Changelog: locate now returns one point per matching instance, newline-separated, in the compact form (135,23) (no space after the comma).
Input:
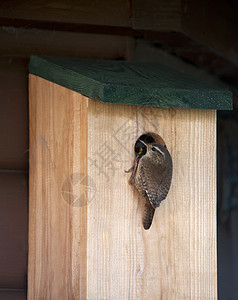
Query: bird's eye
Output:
(138,150)
(153,149)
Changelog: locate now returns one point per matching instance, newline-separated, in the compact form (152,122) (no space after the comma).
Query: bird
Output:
(151,173)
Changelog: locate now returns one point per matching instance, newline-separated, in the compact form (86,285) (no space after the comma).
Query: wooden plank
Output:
(23,42)
(157,15)
(136,83)
(106,12)
(214,24)
(207,23)
(100,250)
(176,258)
(57,220)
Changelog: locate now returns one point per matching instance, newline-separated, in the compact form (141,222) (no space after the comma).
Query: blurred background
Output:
(196,37)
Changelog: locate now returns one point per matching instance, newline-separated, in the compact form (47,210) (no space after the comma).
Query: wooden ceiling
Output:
(203,33)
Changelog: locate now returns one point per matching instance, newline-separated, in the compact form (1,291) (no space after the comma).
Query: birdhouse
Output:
(86,237)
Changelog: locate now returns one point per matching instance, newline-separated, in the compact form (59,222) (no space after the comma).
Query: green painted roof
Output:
(136,83)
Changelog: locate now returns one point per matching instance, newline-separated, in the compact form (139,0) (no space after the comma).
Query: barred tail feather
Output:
(148,215)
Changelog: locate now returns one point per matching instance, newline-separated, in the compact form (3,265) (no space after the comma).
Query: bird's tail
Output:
(148,215)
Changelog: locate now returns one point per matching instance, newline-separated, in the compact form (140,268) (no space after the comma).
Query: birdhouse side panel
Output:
(58,197)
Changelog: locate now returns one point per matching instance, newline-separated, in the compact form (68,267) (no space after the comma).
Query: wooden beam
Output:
(191,52)
(23,42)
(214,24)
(157,15)
(209,25)
(106,12)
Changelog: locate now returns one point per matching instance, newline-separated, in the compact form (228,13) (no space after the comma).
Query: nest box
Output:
(86,239)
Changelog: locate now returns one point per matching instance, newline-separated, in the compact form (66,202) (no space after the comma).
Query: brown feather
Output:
(148,215)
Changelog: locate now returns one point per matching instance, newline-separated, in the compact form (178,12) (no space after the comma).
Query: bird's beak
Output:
(134,169)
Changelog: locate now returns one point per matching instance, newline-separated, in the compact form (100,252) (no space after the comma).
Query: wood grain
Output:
(57,212)
(100,250)
(106,12)
(176,258)
(47,42)
(214,24)
(157,15)
(137,83)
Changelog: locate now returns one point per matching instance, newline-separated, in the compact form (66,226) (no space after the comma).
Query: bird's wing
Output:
(155,183)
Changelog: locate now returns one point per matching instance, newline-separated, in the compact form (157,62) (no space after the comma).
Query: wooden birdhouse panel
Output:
(86,239)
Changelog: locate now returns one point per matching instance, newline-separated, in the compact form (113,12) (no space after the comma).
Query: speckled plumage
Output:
(152,174)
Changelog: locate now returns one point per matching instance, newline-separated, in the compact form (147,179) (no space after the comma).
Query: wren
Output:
(151,172)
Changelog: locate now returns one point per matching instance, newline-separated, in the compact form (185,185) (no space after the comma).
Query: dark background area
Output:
(195,37)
